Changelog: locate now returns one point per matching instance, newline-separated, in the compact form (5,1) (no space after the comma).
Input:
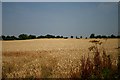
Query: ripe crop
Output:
(59,58)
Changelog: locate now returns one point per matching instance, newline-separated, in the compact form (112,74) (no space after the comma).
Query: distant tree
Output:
(8,38)
(41,36)
(109,36)
(13,38)
(52,36)
(0,37)
(31,36)
(3,37)
(65,37)
(98,36)
(113,36)
(104,36)
(92,36)
(23,36)
(61,36)
(71,37)
(77,37)
(49,36)
(80,36)
(58,37)
(118,36)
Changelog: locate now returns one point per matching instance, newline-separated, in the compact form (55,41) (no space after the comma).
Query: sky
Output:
(59,0)
(60,18)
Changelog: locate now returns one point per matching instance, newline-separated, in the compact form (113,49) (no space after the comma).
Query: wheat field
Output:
(49,58)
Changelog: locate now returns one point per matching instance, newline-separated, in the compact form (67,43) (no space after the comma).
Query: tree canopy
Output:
(25,36)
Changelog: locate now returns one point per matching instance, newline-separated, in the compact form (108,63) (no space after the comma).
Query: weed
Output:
(100,68)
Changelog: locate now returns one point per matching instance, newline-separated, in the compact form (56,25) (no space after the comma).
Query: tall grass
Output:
(98,67)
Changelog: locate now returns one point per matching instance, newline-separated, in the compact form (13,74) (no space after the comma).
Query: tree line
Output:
(25,36)
(104,36)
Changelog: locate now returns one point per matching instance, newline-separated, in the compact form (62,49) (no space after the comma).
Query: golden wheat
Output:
(49,58)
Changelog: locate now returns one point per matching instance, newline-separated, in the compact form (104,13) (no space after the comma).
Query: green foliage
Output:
(71,36)
(65,37)
(92,35)
(103,36)
(113,36)
(50,36)
(23,36)
(105,73)
(31,37)
(9,37)
(77,37)
(80,36)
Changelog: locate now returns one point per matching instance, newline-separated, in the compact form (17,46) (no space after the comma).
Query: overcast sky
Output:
(59,0)
(65,18)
